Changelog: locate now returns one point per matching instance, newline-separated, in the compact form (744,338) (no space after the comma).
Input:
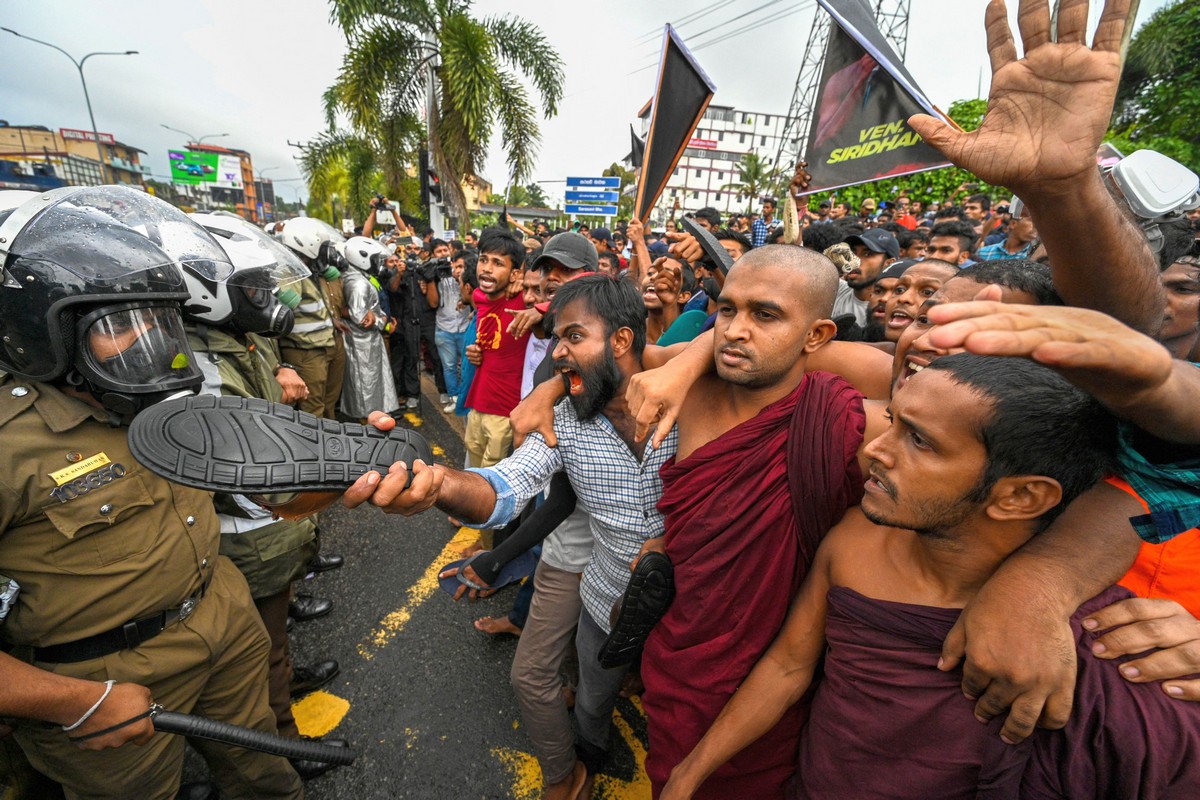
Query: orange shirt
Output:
(1170,570)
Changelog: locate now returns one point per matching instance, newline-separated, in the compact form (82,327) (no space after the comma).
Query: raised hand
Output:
(1047,112)
(1092,350)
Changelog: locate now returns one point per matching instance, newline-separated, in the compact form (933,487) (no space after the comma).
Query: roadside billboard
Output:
(194,168)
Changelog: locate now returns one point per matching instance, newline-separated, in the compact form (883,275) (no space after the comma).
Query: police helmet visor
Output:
(138,347)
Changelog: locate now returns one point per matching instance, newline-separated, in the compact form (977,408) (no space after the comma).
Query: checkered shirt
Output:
(619,492)
(1172,491)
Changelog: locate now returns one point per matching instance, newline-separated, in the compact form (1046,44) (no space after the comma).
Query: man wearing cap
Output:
(868,208)
(875,248)
(823,213)
(602,240)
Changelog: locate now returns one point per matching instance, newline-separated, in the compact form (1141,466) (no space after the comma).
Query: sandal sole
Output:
(250,446)
(650,592)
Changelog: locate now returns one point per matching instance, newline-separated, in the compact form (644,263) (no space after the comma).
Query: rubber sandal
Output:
(254,447)
(516,570)
(650,592)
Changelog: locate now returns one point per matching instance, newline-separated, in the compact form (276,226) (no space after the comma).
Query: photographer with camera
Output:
(384,212)
(452,318)
(414,300)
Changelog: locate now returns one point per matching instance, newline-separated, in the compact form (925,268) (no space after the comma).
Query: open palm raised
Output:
(1047,112)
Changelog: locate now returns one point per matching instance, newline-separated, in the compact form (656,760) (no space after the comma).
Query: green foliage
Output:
(757,177)
(628,178)
(1158,103)
(476,67)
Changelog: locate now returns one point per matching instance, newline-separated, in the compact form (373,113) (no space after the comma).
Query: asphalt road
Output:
(422,696)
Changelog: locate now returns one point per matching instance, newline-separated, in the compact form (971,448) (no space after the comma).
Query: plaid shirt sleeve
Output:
(758,233)
(518,478)
(1172,491)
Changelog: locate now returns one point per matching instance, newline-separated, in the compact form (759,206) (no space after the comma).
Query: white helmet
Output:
(251,300)
(365,255)
(305,235)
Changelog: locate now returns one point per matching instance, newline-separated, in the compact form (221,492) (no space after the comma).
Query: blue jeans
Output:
(451,347)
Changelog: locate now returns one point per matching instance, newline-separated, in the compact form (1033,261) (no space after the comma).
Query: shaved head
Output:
(806,274)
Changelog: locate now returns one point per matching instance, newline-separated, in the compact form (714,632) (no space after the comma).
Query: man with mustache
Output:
(600,325)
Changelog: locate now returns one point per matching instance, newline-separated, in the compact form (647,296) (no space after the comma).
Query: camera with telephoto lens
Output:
(434,270)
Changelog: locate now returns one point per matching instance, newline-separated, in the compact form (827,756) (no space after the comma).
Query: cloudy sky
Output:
(256,70)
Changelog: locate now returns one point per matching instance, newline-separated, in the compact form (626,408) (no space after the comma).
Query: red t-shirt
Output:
(496,388)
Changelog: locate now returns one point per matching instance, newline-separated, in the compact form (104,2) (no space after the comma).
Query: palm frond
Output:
(468,74)
(518,126)
(384,66)
(522,45)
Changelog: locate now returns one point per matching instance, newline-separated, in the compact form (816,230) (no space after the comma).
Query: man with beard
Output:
(600,326)
(876,249)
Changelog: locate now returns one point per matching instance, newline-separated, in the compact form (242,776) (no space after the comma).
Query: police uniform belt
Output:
(123,637)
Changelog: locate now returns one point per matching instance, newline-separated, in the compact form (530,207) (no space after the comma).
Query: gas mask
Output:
(329,262)
(257,308)
(132,355)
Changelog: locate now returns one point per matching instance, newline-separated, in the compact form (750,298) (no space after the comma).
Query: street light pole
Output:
(87,98)
(192,139)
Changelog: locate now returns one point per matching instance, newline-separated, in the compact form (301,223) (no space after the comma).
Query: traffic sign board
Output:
(594,183)
(593,197)
(595,211)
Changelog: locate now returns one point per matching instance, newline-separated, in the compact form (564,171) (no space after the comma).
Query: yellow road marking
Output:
(610,788)
(413,419)
(417,594)
(437,449)
(526,773)
(319,713)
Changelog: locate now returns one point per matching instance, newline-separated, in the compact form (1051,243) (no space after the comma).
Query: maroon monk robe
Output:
(744,516)
(886,723)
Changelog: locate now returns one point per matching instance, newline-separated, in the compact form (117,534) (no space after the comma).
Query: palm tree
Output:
(756,177)
(409,59)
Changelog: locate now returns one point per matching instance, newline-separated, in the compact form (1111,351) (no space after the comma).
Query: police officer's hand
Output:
(389,491)
(293,386)
(124,702)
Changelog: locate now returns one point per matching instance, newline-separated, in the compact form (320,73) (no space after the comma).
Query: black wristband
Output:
(282,365)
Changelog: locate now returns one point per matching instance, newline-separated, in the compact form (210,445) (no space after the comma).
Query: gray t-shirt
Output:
(450,317)
(847,303)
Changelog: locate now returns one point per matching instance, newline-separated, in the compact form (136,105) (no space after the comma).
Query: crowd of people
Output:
(892,457)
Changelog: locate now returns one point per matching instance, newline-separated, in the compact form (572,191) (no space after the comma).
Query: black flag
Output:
(859,131)
(682,94)
(637,149)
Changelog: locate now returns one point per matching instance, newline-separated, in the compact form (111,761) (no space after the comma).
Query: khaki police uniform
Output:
(270,553)
(335,298)
(96,541)
(311,347)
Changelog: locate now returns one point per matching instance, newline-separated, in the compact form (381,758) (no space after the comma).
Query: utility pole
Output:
(436,219)
(105,175)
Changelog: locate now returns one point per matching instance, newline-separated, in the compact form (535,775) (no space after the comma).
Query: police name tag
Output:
(68,474)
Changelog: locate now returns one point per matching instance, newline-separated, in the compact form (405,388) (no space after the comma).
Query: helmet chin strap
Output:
(121,407)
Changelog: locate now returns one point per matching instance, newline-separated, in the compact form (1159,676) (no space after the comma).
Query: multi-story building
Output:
(70,155)
(708,168)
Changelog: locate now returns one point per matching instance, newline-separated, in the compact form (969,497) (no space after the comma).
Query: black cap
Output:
(572,250)
(877,240)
